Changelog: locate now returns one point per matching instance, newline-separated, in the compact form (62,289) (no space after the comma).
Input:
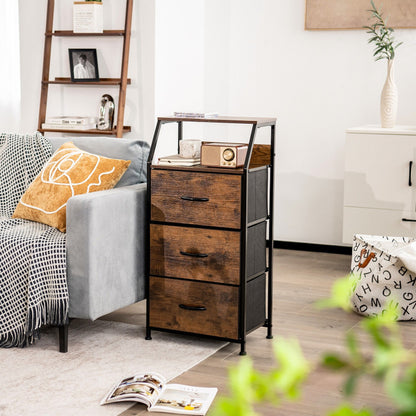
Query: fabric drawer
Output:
(207,199)
(196,307)
(194,253)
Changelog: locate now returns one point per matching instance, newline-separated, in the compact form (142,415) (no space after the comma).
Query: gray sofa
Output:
(106,235)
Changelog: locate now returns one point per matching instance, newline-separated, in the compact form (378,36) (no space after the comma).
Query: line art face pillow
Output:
(70,171)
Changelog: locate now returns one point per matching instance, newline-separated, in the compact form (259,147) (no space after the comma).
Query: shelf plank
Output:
(259,121)
(102,81)
(71,33)
(112,132)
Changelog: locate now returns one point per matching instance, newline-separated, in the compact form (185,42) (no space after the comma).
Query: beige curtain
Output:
(9,66)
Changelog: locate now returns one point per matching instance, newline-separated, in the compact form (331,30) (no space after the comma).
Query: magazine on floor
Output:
(152,390)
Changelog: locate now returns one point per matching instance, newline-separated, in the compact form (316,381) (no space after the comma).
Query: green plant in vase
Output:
(381,36)
(385,48)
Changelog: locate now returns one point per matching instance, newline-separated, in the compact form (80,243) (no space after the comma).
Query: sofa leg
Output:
(63,338)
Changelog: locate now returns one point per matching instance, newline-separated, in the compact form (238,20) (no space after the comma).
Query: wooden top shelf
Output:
(102,81)
(126,129)
(71,33)
(259,121)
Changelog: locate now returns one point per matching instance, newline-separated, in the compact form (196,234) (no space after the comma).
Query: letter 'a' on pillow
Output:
(70,171)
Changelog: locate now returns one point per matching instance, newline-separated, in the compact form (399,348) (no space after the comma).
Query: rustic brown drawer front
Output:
(193,253)
(196,307)
(196,198)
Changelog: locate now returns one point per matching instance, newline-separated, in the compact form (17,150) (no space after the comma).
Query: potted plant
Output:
(385,48)
(88,16)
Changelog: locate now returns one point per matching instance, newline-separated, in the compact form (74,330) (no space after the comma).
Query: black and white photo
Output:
(83,64)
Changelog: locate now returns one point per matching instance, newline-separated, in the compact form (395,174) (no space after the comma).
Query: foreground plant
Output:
(389,362)
(249,386)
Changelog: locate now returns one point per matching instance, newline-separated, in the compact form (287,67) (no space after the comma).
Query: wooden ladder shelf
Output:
(122,82)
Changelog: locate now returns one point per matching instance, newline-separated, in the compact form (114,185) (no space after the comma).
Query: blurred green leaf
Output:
(340,294)
(350,383)
(346,410)
(334,362)
(402,389)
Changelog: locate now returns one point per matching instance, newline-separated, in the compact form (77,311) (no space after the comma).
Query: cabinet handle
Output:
(185,253)
(410,172)
(193,198)
(192,307)
(408,220)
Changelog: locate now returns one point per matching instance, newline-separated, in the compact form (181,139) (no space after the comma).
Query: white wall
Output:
(259,61)
(252,58)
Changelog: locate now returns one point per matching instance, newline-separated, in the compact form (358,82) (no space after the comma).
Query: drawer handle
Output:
(410,172)
(408,220)
(192,307)
(194,198)
(185,253)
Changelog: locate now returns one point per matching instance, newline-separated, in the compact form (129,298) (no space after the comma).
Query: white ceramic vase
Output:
(389,98)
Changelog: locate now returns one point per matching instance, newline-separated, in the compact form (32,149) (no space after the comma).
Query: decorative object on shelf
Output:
(225,155)
(190,148)
(88,16)
(83,65)
(385,48)
(106,114)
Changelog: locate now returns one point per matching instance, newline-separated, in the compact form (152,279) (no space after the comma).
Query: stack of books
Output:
(178,160)
(70,123)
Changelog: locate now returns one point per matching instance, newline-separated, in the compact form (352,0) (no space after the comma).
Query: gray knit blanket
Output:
(33,287)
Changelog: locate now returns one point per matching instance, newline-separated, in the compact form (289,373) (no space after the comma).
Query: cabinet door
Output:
(377,222)
(377,171)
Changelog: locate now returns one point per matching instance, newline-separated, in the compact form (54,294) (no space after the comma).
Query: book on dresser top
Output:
(178,160)
(152,390)
(194,114)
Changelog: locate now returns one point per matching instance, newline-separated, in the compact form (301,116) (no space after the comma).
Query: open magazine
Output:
(153,390)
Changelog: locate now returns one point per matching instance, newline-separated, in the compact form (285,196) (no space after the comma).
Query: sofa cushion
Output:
(118,148)
(70,171)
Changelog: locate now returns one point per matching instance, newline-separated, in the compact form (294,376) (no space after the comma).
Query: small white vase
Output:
(389,98)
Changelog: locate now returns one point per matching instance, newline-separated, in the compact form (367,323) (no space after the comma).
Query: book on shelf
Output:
(152,390)
(178,160)
(194,114)
(65,120)
(52,126)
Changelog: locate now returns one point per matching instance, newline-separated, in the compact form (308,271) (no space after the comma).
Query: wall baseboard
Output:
(320,248)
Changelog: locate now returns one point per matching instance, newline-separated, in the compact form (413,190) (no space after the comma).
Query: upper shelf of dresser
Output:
(259,121)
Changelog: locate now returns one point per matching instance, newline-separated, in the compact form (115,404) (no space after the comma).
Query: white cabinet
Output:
(380,182)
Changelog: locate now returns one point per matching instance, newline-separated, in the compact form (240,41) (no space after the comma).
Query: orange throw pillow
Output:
(70,171)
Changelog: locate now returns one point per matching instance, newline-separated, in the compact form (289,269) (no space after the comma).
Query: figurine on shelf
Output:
(106,114)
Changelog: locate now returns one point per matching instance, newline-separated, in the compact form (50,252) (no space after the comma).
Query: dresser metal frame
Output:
(256,123)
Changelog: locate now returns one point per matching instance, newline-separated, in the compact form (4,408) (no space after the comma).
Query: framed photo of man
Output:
(83,64)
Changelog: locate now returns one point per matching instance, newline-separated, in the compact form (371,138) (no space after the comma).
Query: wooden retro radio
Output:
(224,155)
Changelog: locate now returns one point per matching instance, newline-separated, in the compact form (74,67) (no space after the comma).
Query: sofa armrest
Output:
(106,250)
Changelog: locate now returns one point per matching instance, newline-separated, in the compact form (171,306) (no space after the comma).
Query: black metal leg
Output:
(243,348)
(269,331)
(148,334)
(63,338)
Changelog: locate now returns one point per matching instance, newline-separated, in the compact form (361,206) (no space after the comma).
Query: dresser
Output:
(210,241)
(380,182)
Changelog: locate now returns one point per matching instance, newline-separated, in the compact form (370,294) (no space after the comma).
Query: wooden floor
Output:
(300,279)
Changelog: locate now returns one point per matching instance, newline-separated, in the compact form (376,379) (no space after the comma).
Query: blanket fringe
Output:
(48,312)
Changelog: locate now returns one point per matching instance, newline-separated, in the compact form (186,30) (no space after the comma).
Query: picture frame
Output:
(83,64)
(353,14)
